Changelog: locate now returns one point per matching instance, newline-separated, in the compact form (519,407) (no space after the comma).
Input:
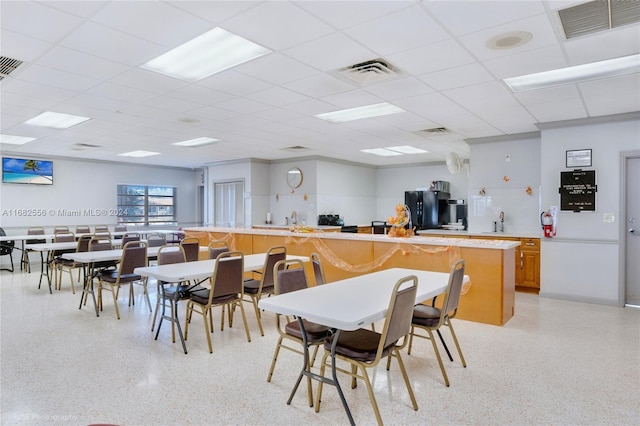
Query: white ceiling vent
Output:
(7,66)
(84,146)
(368,72)
(433,132)
(598,15)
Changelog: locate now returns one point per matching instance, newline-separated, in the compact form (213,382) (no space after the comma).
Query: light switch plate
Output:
(609,218)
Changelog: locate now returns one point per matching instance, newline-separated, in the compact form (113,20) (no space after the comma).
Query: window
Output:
(140,205)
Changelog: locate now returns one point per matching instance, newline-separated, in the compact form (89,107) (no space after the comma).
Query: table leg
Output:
(306,370)
(174,315)
(88,272)
(44,265)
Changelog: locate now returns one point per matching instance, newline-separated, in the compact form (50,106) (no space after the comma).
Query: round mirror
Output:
(294,177)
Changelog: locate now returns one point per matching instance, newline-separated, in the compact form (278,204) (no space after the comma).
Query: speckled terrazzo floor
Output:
(555,362)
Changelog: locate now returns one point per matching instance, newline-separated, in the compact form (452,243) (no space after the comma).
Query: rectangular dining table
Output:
(349,304)
(199,270)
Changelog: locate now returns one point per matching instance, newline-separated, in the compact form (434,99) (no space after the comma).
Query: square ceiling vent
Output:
(369,72)
(599,15)
(7,66)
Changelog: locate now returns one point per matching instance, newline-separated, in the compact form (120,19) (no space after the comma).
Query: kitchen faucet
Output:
(294,217)
(501,224)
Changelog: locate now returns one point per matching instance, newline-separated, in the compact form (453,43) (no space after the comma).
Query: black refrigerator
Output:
(429,209)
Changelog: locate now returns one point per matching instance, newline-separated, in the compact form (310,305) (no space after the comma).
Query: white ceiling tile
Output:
(323,55)
(37,20)
(352,99)
(166,25)
(318,86)
(212,113)
(83,9)
(560,110)
(234,82)
(276,68)
(21,47)
(242,105)
(214,11)
(481,97)
(550,95)
(56,78)
(468,16)
(199,94)
(538,26)
(434,57)
(169,103)
(85,100)
(120,92)
(148,81)
(612,96)
(38,91)
(345,14)
(398,89)
(263,24)
(452,78)
(545,59)
(310,107)
(107,43)
(410,28)
(81,63)
(277,96)
(611,44)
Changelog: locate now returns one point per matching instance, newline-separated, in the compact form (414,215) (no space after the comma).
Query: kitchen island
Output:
(490,264)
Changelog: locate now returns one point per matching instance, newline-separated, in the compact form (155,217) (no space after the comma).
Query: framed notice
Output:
(578,158)
(578,190)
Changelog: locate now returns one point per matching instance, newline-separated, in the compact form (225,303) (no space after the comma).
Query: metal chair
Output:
(365,348)
(134,255)
(156,240)
(70,265)
(6,249)
(216,248)
(226,291)
(130,236)
(289,275)
(256,288)
(318,270)
(34,230)
(191,248)
(55,258)
(430,318)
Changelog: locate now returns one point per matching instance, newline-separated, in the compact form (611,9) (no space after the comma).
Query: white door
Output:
(632,234)
(229,204)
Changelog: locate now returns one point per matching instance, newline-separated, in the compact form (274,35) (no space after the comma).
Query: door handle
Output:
(632,231)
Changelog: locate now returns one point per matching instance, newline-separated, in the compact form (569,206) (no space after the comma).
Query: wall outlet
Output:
(609,218)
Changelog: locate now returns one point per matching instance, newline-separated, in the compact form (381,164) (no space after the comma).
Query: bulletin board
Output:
(578,190)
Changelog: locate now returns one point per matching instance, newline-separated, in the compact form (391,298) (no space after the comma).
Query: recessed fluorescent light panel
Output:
(394,150)
(205,55)
(139,153)
(368,111)
(196,142)
(15,140)
(56,120)
(577,74)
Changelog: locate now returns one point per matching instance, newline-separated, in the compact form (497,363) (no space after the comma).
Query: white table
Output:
(350,304)
(89,258)
(44,262)
(202,269)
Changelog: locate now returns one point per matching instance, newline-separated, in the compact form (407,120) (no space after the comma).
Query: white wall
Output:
(283,200)
(82,184)
(505,170)
(582,261)
(229,172)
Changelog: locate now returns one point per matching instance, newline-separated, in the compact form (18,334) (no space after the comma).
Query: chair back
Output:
(274,255)
(318,272)
(156,240)
(134,255)
(191,248)
(83,243)
(36,230)
(99,228)
(216,248)
(6,247)
(133,236)
(83,229)
(289,276)
(398,321)
(57,229)
(228,276)
(103,234)
(170,253)
(454,289)
(63,237)
(99,244)
(120,227)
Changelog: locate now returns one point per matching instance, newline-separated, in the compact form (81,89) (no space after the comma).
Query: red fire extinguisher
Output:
(546,218)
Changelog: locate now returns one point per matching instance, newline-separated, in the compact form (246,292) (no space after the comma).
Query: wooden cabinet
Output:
(528,266)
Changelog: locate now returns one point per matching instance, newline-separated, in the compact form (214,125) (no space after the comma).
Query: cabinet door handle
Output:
(521,260)
(530,244)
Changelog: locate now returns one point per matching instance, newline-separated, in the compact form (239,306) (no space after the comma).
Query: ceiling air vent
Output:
(599,15)
(7,66)
(84,146)
(434,131)
(371,71)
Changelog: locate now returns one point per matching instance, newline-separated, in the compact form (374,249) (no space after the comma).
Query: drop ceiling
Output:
(84,58)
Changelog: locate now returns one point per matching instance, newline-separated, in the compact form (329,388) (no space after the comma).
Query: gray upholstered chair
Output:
(6,249)
(431,318)
(364,348)
(226,291)
(34,230)
(318,270)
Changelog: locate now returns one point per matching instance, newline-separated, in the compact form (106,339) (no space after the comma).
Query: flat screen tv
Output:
(21,170)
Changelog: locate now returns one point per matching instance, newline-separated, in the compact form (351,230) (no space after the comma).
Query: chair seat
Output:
(184,291)
(361,345)
(112,277)
(427,316)
(202,297)
(314,331)
(252,286)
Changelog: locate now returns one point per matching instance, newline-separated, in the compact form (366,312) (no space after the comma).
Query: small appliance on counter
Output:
(429,209)
(457,214)
(329,220)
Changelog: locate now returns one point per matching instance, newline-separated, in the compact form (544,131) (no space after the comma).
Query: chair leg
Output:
(410,340)
(446,348)
(155,312)
(115,301)
(435,349)
(406,378)
(455,340)
(372,397)
(254,299)
(187,318)
(206,328)
(244,319)
(275,358)
(323,365)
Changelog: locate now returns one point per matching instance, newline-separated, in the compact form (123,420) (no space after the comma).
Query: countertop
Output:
(471,234)
(418,240)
